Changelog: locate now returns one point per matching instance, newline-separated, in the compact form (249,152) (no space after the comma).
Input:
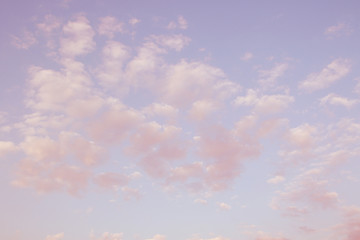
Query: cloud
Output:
(333,72)
(55,237)
(181,24)
(78,38)
(202,108)
(114,125)
(269,77)
(264,236)
(24,42)
(200,201)
(107,236)
(187,82)
(306,191)
(336,100)
(266,104)
(157,237)
(224,206)
(111,180)
(111,72)
(157,145)
(7,147)
(49,24)
(338,30)
(69,91)
(247,56)
(211,238)
(161,110)
(176,42)
(275,180)
(108,26)
(227,150)
(134,21)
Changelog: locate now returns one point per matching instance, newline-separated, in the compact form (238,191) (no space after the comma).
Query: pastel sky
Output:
(180,120)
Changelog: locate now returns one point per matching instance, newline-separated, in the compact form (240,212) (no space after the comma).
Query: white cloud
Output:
(333,72)
(78,38)
(336,100)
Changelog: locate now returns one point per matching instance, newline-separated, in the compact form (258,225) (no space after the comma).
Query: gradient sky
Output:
(180,120)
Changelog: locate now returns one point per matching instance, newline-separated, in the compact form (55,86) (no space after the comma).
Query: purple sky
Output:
(180,120)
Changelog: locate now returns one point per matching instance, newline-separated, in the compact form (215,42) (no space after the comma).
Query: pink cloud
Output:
(55,237)
(157,145)
(225,150)
(7,147)
(264,236)
(111,180)
(49,176)
(114,125)
(157,237)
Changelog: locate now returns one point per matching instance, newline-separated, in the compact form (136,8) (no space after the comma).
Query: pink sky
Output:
(180,120)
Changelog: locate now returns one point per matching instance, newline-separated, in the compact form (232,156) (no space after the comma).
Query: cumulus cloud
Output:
(78,38)
(333,72)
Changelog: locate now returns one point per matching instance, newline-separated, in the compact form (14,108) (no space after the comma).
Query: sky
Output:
(180,120)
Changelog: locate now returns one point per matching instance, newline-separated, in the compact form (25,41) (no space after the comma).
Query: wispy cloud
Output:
(333,72)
